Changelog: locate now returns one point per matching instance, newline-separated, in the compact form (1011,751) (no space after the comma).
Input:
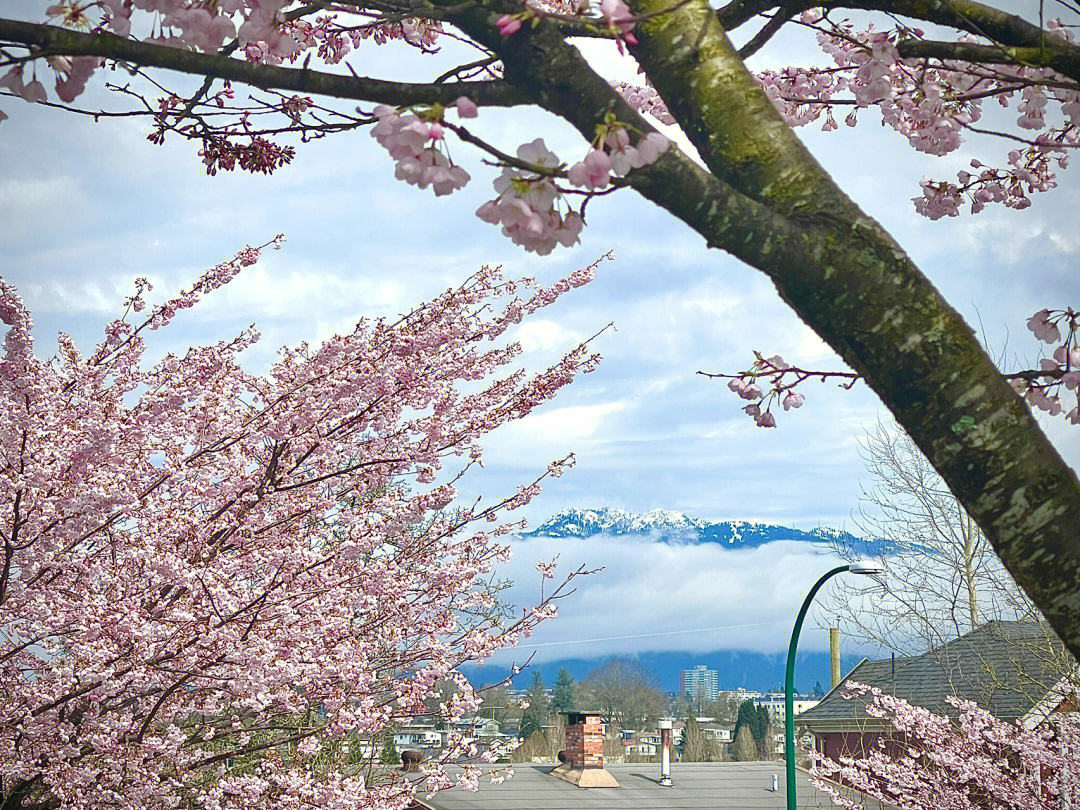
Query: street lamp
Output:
(865,567)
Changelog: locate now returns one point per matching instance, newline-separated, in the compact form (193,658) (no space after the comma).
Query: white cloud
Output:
(551,432)
(28,203)
(649,592)
(546,336)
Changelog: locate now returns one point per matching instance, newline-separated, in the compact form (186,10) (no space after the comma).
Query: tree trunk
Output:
(768,202)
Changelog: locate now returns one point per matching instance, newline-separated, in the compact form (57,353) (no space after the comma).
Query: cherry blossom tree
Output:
(753,189)
(972,760)
(217,587)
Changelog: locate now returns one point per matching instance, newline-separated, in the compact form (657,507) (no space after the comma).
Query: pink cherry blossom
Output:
(971,761)
(465,107)
(618,17)
(593,172)
(527,205)
(508,25)
(220,578)
(1043,328)
(644,100)
(412,144)
(793,399)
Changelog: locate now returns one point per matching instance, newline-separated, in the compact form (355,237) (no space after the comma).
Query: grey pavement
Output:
(697,786)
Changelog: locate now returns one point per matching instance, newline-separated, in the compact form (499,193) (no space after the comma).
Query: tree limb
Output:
(1065,60)
(1007,31)
(782,16)
(51,40)
(862,294)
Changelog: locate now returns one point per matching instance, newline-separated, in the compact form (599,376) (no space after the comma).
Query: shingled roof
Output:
(1007,668)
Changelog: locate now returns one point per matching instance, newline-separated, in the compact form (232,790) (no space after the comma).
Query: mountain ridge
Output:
(673,526)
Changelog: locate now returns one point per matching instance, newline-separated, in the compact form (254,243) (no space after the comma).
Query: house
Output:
(716,732)
(480,727)
(419,734)
(1010,668)
(774,702)
(644,743)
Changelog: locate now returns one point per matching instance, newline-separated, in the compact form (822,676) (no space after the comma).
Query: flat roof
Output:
(697,786)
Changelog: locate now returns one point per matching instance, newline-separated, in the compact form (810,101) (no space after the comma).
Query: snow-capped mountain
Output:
(588,522)
(671,526)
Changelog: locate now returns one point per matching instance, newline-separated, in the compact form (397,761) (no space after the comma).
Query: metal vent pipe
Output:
(665,752)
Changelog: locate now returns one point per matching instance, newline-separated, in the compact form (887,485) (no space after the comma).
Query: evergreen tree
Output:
(747,716)
(761,728)
(818,690)
(533,718)
(562,695)
(389,754)
(757,721)
(761,724)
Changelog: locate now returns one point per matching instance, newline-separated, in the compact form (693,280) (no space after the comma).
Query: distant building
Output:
(738,695)
(717,732)
(774,702)
(700,683)
(419,734)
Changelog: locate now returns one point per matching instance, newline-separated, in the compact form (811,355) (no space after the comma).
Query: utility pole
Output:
(834,657)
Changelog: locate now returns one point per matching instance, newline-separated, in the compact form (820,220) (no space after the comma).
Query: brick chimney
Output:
(583,758)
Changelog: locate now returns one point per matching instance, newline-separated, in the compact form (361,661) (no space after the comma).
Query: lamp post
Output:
(867,568)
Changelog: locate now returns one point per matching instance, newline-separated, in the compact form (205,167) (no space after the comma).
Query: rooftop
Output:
(697,786)
(1006,667)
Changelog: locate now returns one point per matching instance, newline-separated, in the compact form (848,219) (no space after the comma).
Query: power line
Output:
(647,635)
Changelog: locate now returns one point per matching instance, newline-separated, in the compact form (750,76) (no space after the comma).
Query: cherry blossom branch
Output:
(48,40)
(1042,387)
(782,16)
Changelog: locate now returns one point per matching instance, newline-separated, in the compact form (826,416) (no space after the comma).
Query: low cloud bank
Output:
(653,596)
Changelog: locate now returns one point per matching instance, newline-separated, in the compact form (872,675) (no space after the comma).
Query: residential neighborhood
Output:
(1012,669)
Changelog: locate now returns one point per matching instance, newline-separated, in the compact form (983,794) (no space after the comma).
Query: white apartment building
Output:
(700,683)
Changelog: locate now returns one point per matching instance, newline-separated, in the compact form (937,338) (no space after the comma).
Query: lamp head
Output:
(870,568)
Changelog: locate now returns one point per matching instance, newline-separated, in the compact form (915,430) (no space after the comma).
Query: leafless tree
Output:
(696,747)
(942,577)
(625,693)
(745,749)
(544,744)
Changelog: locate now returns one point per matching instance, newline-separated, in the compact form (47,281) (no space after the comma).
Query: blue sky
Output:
(86,207)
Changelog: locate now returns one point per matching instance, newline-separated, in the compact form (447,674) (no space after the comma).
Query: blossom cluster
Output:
(645,100)
(527,203)
(419,150)
(532,208)
(772,380)
(261,28)
(780,379)
(615,155)
(1061,371)
(933,103)
(616,16)
(971,762)
(223,578)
